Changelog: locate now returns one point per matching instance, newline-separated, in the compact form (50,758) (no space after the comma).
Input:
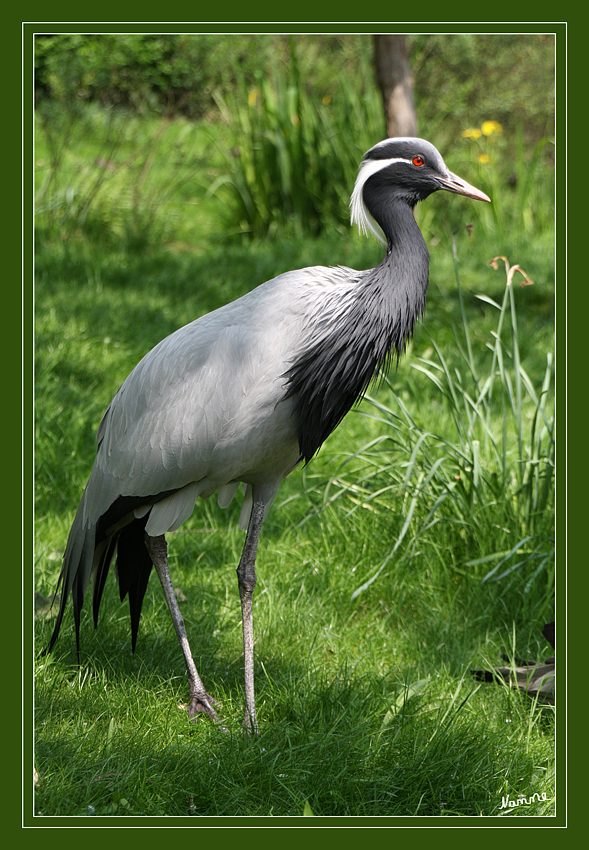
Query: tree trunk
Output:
(393,75)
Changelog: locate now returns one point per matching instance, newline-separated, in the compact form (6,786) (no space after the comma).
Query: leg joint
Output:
(156,546)
(246,584)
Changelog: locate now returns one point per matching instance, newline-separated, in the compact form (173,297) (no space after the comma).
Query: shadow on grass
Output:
(351,746)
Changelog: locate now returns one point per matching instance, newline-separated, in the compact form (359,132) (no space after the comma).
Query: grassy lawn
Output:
(438,505)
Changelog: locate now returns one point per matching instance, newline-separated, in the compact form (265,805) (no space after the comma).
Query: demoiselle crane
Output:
(245,394)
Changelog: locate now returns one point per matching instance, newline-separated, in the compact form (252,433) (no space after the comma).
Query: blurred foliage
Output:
(286,121)
(294,155)
(459,79)
(143,71)
(462,79)
(178,74)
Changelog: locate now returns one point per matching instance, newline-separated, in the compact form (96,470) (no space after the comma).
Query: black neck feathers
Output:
(374,319)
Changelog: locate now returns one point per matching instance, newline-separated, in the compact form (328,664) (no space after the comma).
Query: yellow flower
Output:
(484,158)
(252,98)
(473,133)
(490,128)
(325,99)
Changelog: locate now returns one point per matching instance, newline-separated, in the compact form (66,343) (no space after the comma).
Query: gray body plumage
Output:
(226,400)
(245,393)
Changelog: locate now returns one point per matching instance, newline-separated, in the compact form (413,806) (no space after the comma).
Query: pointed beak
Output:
(454,183)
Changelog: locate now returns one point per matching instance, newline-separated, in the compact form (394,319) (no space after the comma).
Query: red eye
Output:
(418,160)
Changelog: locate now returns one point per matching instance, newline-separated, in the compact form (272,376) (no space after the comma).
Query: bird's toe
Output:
(202,704)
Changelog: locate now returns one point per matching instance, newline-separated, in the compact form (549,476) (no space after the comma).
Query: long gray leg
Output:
(246,577)
(199,699)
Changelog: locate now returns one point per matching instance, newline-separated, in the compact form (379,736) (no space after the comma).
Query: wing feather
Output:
(202,411)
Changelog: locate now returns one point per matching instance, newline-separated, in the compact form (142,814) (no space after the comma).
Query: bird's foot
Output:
(202,703)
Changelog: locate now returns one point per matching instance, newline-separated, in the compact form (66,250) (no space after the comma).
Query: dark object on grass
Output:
(536,678)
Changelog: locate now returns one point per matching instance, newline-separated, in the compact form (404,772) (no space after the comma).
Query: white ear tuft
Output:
(358,213)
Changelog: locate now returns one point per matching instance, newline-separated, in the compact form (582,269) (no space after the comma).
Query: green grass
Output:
(365,700)
(331,671)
